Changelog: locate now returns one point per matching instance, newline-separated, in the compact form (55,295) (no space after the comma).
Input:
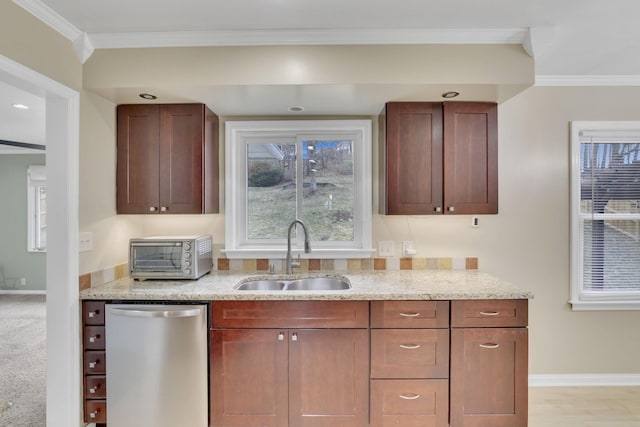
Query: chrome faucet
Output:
(307,247)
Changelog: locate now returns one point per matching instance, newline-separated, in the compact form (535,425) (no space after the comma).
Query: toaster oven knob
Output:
(187,246)
(187,263)
(187,271)
(187,255)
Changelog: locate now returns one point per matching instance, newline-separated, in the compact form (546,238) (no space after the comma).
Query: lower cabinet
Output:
(293,377)
(489,365)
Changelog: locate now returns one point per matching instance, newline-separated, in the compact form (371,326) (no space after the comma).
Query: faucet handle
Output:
(296,263)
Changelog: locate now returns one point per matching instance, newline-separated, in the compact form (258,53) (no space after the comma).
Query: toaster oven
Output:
(170,257)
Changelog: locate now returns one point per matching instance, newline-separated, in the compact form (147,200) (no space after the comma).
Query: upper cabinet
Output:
(439,158)
(167,159)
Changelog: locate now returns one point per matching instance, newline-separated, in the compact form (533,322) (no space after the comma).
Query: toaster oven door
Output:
(156,257)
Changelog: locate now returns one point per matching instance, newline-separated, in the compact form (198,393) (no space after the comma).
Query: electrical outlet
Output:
(386,248)
(407,248)
(85,243)
(23,281)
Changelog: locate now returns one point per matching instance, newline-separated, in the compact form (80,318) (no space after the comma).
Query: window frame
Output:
(235,188)
(581,299)
(36,179)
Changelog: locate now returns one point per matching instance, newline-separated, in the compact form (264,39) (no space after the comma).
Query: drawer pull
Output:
(489,313)
(94,414)
(410,346)
(93,364)
(489,345)
(93,339)
(94,390)
(410,396)
(294,337)
(409,314)
(93,314)
(281,336)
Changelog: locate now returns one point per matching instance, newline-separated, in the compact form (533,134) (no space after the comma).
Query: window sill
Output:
(282,253)
(602,305)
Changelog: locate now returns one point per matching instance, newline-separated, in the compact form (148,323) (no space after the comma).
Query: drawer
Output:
(93,312)
(94,338)
(489,313)
(95,387)
(410,314)
(94,362)
(290,314)
(409,403)
(410,353)
(95,411)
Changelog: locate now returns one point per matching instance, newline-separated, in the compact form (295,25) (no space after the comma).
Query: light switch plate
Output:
(386,248)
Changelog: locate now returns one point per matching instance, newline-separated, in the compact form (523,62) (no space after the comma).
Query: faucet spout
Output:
(307,246)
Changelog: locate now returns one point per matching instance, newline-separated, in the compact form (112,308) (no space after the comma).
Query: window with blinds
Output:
(605,215)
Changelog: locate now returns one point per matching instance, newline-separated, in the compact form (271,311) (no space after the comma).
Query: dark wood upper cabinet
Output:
(439,158)
(167,159)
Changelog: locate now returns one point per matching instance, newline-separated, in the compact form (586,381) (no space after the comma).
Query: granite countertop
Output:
(370,285)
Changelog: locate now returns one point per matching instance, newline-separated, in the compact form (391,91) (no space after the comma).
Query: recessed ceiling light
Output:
(296,109)
(20,106)
(148,96)
(450,94)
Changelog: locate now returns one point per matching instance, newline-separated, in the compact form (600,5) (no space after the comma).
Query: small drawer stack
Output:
(409,363)
(95,383)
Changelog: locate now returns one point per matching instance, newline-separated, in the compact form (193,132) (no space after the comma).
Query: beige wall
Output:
(28,41)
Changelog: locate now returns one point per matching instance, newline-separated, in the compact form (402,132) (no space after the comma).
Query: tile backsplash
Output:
(341,265)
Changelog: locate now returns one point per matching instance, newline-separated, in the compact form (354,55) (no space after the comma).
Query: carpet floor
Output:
(23,360)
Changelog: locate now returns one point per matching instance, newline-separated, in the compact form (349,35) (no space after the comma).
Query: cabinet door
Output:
(181,158)
(489,377)
(248,378)
(411,158)
(470,158)
(328,378)
(138,159)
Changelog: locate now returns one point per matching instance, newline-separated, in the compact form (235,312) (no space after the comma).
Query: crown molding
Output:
(305,37)
(587,80)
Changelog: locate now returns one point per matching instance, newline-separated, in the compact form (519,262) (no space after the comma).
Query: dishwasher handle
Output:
(161,313)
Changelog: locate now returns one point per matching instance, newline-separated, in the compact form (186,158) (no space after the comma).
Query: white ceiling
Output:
(595,38)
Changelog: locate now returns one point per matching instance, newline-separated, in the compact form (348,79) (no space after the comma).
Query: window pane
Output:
(611,251)
(609,175)
(328,198)
(271,190)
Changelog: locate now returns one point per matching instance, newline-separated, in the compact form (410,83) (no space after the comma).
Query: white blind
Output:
(609,210)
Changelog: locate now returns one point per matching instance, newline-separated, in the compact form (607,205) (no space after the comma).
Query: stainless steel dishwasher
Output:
(156,357)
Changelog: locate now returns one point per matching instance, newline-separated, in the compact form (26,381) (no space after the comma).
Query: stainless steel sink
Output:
(261,285)
(318,284)
(304,284)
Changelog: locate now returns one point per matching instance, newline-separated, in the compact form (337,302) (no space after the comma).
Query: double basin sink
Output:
(302,284)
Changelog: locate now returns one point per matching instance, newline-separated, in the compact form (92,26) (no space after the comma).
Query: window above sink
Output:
(318,171)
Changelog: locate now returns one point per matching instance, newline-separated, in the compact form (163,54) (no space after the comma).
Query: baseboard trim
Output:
(584,380)
(22,292)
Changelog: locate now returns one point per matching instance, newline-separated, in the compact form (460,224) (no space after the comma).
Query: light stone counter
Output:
(370,285)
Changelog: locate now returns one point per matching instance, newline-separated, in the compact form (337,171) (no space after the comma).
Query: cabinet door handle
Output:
(164,209)
(152,209)
(409,314)
(489,345)
(451,209)
(409,396)
(294,337)
(489,313)
(281,336)
(410,346)
(438,209)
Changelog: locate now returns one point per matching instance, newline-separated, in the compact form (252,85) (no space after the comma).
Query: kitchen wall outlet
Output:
(475,222)
(23,281)
(85,243)
(407,248)
(386,248)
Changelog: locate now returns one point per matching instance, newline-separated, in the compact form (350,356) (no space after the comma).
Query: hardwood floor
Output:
(584,407)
